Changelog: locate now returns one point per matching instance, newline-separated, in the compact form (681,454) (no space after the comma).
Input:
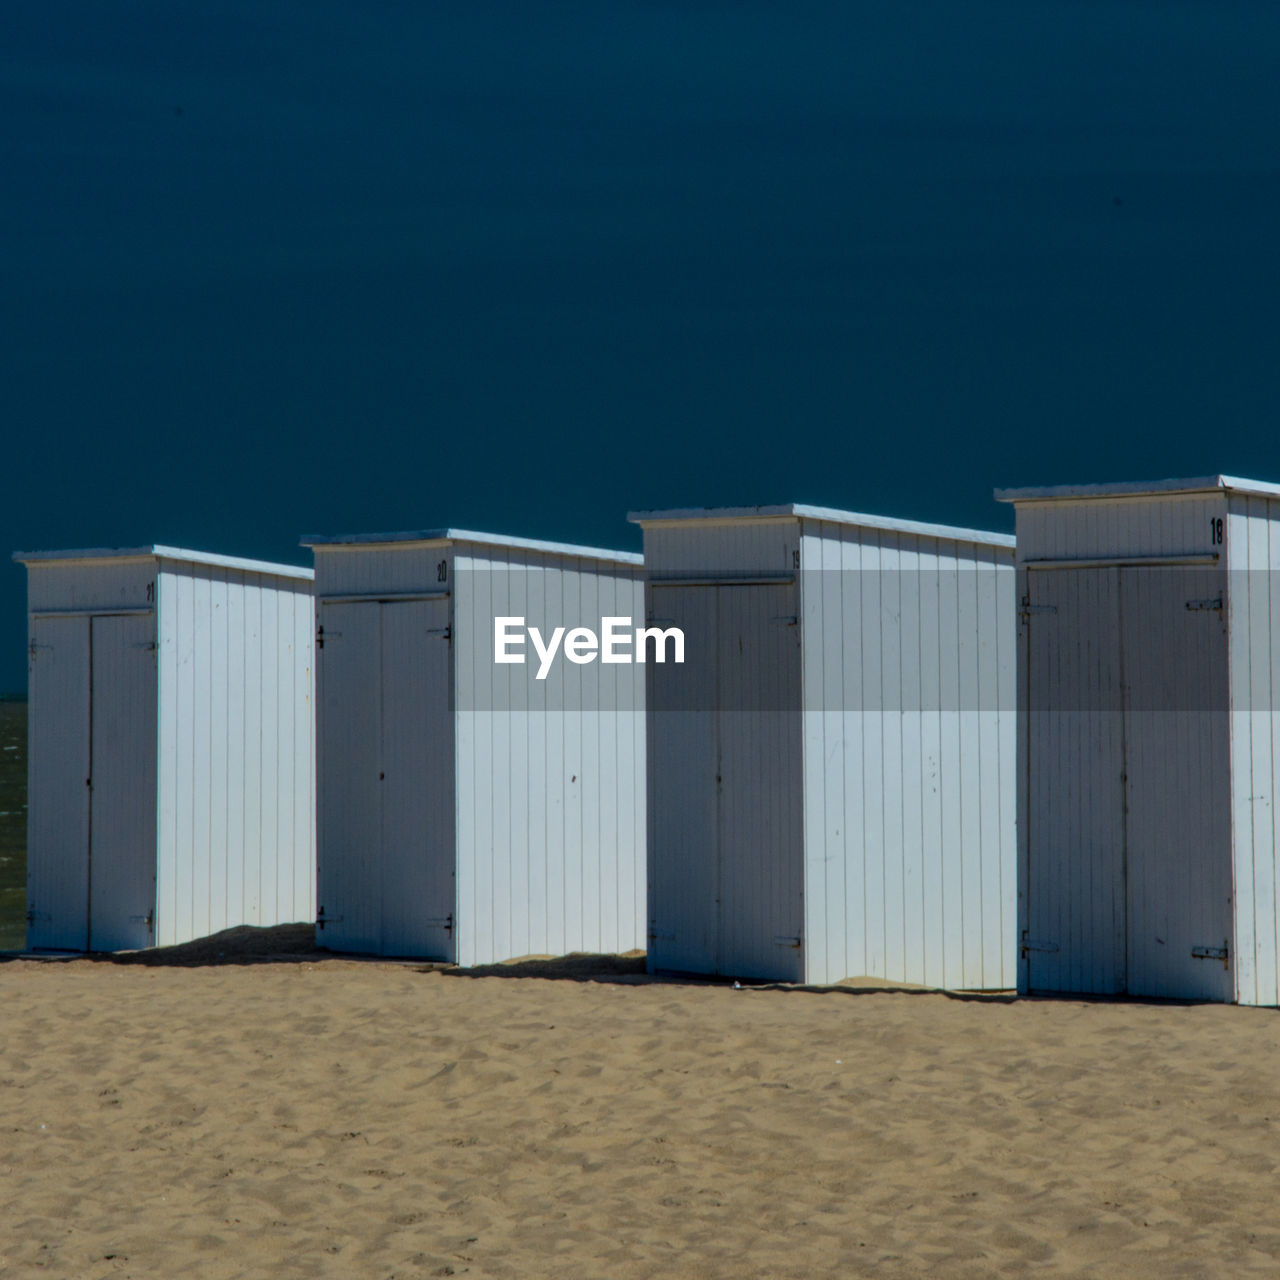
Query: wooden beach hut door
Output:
(92,847)
(58,785)
(1128,878)
(386,857)
(682,785)
(726,866)
(1178,821)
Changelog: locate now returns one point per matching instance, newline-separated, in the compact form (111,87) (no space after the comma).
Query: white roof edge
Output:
(801,511)
(1138,489)
(180,554)
(471,535)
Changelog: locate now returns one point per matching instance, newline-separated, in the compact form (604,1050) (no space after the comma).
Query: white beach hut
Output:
(1149,762)
(472,809)
(171,772)
(831,770)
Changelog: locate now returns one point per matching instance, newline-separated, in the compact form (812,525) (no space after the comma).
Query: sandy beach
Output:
(272,1111)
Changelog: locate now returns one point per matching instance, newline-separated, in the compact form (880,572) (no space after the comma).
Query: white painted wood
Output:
(416,776)
(57,786)
(1075,931)
(177,841)
(1178,848)
(760,841)
(215,786)
(269,762)
(951,841)
(1141,489)
(1115,529)
(102,588)
(1253,542)
(201,724)
(1198,728)
(933,940)
(905,715)
(722,516)
(302,665)
(500,543)
(257,597)
(122,804)
(230,805)
(542,781)
(1264,783)
(348,762)
(683,745)
(93,559)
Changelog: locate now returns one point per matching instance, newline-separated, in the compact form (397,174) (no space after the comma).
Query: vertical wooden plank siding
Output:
(1196,740)
(189,723)
(914,712)
(683,800)
(122,840)
(197,819)
(236,765)
(1253,607)
(907,786)
(349,760)
(58,799)
(196,772)
(474,693)
(823,804)
(1025,761)
(1267,636)
(233,695)
(934,913)
(269,713)
(550,774)
(546,777)
(168,746)
(257,597)
(220,848)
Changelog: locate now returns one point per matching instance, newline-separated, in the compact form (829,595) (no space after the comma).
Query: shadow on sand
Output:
(576,967)
(281,944)
(630,968)
(296,944)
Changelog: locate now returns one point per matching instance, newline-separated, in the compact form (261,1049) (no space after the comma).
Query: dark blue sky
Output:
(269,268)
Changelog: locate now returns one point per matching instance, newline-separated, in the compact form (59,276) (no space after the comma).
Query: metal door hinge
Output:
(322,919)
(445,923)
(656,935)
(147,920)
(787,620)
(33,915)
(1195,605)
(1049,948)
(445,632)
(1222,953)
(787,941)
(322,635)
(1027,608)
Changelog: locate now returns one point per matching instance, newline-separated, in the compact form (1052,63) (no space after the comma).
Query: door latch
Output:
(1028,609)
(1213,953)
(1048,948)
